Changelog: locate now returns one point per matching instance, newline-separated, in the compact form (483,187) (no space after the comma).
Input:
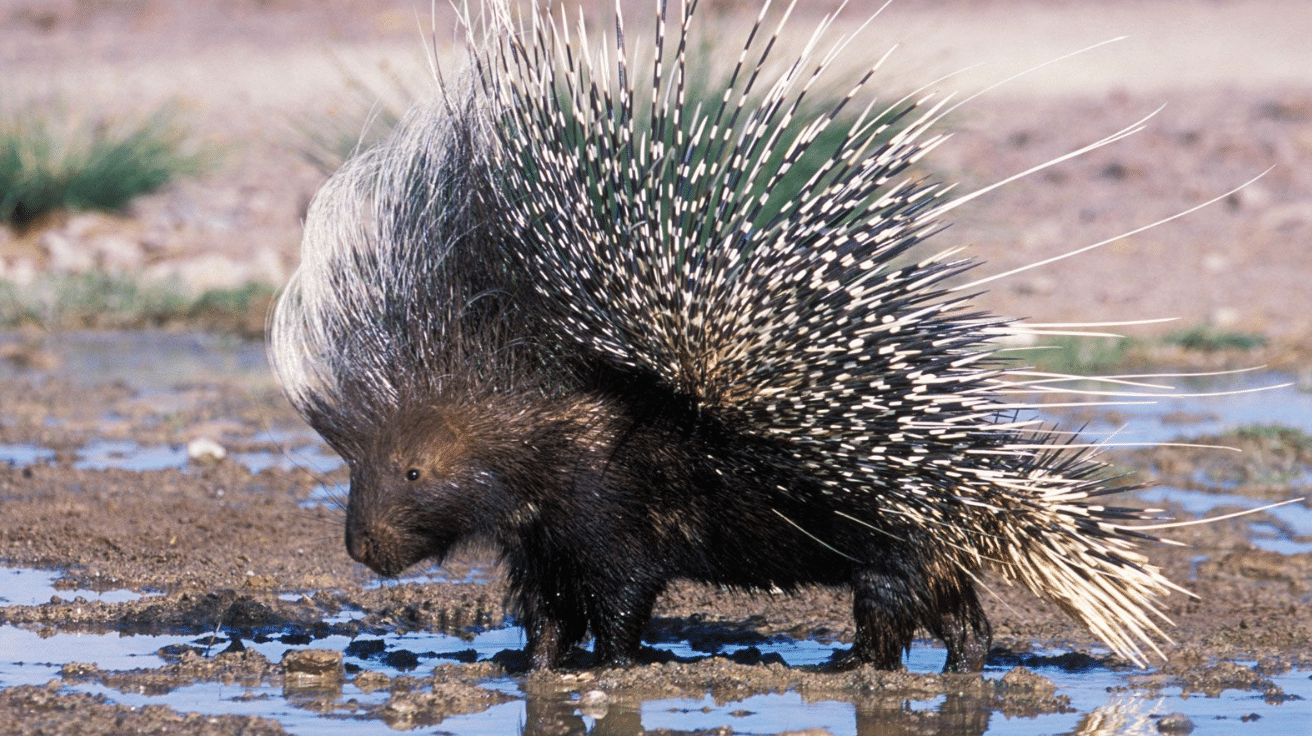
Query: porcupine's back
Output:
(648,232)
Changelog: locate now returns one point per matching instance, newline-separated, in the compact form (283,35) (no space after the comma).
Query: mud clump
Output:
(46,710)
(1019,692)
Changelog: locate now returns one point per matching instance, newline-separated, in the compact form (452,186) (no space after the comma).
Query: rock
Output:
(312,669)
(594,704)
(205,450)
(1175,723)
(64,254)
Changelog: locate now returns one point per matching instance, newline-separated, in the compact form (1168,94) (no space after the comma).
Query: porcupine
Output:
(554,311)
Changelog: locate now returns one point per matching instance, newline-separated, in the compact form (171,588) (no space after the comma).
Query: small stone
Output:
(77,670)
(119,254)
(594,704)
(200,274)
(1175,723)
(65,255)
(369,680)
(18,271)
(312,668)
(205,450)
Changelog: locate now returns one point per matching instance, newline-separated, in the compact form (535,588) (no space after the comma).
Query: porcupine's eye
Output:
(412,474)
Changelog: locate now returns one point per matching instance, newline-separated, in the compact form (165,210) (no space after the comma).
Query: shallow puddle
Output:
(1286,529)
(24,455)
(1191,408)
(126,455)
(147,361)
(1102,701)
(19,587)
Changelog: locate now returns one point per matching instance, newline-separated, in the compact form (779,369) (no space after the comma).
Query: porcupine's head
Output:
(436,476)
(391,339)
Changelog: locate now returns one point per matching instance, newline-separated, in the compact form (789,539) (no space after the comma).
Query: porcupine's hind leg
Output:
(618,622)
(960,623)
(892,601)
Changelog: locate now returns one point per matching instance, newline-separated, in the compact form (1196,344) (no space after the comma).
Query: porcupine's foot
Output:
(890,606)
(544,648)
(549,639)
(963,628)
(617,629)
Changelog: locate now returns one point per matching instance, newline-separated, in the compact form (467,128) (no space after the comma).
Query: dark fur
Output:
(597,501)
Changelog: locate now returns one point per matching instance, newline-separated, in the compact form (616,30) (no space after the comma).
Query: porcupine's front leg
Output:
(550,637)
(552,625)
(543,646)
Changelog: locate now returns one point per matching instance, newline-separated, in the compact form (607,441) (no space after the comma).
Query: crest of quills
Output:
(565,309)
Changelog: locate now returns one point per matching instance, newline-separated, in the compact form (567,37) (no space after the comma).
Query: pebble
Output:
(1175,723)
(205,450)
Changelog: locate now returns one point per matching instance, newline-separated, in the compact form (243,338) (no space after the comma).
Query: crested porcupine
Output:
(554,311)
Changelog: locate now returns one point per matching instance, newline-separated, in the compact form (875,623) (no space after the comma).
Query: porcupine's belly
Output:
(766,547)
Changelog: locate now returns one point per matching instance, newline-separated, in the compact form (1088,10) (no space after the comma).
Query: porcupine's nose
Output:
(366,548)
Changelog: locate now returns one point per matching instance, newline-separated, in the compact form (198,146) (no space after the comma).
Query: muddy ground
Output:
(225,548)
(219,549)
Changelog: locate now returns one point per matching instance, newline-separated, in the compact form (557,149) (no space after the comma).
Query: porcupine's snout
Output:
(378,536)
(370,546)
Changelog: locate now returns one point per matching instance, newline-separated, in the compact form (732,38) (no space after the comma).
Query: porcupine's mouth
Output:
(388,552)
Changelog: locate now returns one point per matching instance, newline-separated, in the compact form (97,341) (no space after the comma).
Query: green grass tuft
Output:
(1272,455)
(1211,340)
(1101,355)
(101,301)
(87,300)
(50,161)
(1082,355)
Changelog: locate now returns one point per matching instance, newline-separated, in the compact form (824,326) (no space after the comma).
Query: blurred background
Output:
(158,155)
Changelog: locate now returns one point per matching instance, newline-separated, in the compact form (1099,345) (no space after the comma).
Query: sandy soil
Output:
(1236,77)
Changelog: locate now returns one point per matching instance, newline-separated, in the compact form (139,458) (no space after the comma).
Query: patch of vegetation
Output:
(1271,460)
(1274,454)
(1094,355)
(242,310)
(101,301)
(1211,340)
(87,300)
(54,160)
(1082,356)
